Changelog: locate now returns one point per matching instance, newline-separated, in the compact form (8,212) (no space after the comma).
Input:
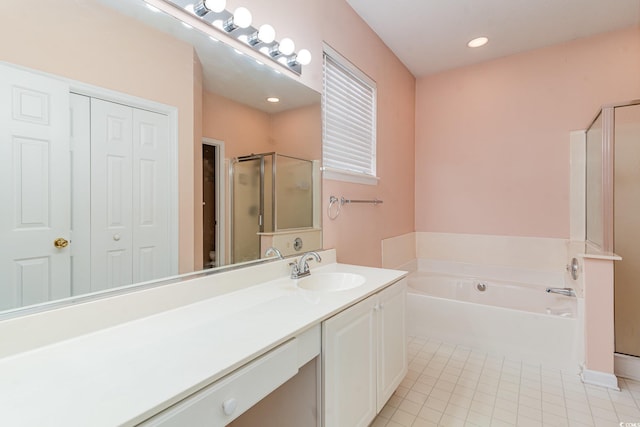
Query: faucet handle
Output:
(295,272)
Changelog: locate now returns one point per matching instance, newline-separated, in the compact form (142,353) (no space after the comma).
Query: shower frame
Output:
(607,112)
(274,156)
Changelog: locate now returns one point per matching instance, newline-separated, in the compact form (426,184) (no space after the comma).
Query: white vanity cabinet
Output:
(364,357)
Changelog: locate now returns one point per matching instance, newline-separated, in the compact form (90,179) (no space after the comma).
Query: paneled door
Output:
(129,201)
(34,188)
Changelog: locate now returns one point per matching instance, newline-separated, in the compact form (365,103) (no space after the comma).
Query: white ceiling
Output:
(431,35)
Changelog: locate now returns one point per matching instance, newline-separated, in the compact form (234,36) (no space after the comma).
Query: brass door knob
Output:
(60,243)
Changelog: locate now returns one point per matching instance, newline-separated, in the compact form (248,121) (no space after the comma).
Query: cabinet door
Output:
(392,341)
(349,366)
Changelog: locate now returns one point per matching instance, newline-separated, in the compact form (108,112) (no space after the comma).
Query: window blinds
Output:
(349,119)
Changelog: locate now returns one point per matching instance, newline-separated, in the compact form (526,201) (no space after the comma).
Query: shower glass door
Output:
(627,228)
(248,206)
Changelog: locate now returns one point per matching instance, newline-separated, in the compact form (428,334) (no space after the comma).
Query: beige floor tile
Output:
(430,414)
(479,419)
(534,414)
(403,418)
(449,421)
(528,422)
(505,415)
(452,386)
(416,396)
(410,407)
(437,404)
(419,422)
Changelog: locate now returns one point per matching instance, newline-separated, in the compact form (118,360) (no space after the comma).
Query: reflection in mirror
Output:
(137,188)
(270,193)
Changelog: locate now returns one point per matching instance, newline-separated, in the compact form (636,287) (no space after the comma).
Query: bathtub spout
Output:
(569,292)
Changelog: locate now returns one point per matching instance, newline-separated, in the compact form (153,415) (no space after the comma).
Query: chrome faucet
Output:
(569,292)
(301,268)
(273,251)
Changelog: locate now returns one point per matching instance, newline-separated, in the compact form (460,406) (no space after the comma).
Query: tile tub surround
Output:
(449,386)
(163,358)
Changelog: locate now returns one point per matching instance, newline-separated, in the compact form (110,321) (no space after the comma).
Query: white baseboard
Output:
(601,379)
(627,366)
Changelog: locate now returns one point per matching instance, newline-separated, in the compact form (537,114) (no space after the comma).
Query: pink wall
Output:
(243,129)
(492,140)
(298,132)
(598,314)
(358,231)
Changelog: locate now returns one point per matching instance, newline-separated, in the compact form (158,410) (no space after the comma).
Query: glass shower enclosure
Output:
(270,192)
(613,210)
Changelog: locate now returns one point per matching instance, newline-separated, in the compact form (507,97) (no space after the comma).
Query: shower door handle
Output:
(260,220)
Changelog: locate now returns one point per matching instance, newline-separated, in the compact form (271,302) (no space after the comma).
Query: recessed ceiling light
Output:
(477,42)
(273,99)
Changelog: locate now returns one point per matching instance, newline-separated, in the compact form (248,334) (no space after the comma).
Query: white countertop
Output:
(124,374)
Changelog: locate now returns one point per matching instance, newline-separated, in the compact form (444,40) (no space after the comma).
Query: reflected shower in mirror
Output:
(270,193)
(137,188)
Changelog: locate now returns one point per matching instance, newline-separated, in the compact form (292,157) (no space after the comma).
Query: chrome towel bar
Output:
(333,200)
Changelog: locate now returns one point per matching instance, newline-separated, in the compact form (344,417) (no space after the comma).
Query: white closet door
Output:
(80,108)
(34,188)
(150,189)
(111,195)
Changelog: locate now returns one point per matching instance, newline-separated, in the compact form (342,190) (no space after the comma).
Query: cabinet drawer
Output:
(226,399)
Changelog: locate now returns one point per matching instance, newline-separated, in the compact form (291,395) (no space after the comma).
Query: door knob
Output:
(60,243)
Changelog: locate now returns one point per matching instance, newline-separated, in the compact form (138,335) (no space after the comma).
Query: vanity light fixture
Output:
(205,6)
(238,25)
(241,18)
(478,42)
(303,57)
(280,50)
(266,34)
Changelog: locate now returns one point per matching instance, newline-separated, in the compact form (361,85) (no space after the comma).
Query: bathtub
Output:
(518,320)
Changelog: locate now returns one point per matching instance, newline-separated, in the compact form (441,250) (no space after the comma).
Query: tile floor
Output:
(449,385)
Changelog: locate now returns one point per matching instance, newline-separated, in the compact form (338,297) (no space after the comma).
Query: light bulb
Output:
(242,17)
(286,46)
(480,41)
(266,33)
(303,57)
(216,6)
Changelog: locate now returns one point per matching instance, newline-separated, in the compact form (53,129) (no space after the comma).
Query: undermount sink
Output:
(331,282)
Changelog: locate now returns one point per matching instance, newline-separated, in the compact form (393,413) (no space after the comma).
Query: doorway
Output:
(213,202)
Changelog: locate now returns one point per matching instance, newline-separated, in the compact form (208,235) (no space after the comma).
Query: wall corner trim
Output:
(601,379)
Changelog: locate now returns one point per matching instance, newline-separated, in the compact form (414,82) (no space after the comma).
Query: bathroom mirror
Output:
(124,59)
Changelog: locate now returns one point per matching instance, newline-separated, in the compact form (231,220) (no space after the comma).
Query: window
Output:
(349,122)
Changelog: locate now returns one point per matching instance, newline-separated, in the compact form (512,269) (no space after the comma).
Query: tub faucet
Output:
(301,268)
(273,251)
(569,292)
